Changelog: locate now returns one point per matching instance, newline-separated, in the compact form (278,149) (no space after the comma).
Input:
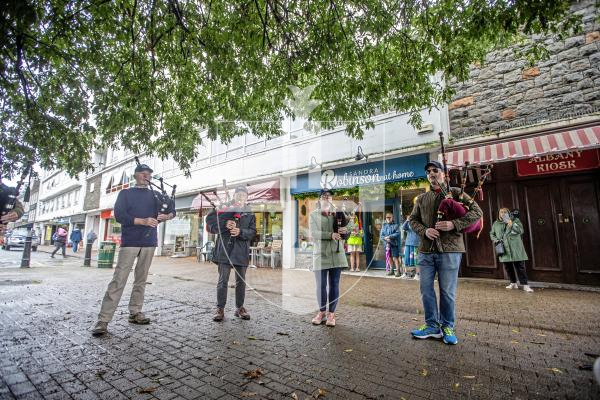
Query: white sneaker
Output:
(513,286)
(417,277)
(527,289)
(403,276)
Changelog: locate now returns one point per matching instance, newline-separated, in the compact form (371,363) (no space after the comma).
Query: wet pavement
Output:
(511,344)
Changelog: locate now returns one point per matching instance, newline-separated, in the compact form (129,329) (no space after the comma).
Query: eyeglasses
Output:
(433,170)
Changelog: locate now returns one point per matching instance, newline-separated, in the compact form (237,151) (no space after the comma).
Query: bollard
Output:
(87,261)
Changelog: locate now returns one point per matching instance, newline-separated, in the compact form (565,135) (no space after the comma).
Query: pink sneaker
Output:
(330,319)
(318,319)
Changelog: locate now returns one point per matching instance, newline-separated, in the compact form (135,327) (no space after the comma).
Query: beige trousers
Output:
(127,256)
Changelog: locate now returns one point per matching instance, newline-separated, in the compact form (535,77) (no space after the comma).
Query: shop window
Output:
(186,225)
(109,186)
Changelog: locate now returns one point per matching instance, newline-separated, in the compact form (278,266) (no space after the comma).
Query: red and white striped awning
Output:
(578,139)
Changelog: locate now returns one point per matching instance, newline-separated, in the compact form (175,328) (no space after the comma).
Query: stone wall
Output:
(91,200)
(506,92)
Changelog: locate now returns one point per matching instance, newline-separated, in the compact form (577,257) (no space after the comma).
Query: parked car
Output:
(16,238)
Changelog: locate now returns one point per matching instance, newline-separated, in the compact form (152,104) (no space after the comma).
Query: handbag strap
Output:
(506,232)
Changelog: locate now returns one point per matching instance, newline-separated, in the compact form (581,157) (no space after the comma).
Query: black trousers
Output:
(519,266)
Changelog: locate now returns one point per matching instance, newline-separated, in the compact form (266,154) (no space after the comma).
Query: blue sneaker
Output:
(449,335)
(424,332)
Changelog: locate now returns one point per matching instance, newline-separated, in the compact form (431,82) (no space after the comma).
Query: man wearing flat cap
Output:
(137,210)
(440,252)
(235,227)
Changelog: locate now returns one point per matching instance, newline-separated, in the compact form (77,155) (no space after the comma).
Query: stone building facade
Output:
(513,116)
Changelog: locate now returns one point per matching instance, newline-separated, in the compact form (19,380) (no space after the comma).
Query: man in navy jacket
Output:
(137,210)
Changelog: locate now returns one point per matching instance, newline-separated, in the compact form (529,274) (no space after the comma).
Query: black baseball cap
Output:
(434,163)
(240,189)
(143,167)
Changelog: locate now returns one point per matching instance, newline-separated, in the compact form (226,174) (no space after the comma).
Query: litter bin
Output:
(106,254)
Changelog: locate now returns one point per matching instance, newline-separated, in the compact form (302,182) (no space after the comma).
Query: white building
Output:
(275,170)
(60,202)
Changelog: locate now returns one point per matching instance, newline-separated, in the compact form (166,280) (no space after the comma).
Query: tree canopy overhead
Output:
(150,74)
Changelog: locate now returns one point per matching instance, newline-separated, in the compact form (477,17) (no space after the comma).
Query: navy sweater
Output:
(137,203)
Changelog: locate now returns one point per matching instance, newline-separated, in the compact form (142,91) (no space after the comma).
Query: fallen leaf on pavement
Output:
(294,396)
(538,342)
(541,334)
(415,319)
(253,373)
(555,370)
(319,393)
(471,334)
(424,372)
(147,390)
(469,376)
(255,338)
(283,333)
(348,350)
(514,341)
(456,386)
(516,331)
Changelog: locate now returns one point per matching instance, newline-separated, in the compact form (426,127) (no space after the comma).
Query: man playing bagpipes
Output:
(139,210)
(11,214)
(236,226)
(11,209)
(440,251)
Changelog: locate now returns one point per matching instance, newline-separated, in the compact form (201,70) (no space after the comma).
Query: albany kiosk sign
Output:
(569,161)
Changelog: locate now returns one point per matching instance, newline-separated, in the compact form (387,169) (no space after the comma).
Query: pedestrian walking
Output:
(411,249)
(326,228)
(137,210)
(236,229)
(390,237)
(75,238)
(443,258)
(508,230)
(60,241)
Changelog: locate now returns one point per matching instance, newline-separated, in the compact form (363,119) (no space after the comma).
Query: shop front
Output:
(184,233)
(112,229)
(371,190)
(553,180)
(264,200)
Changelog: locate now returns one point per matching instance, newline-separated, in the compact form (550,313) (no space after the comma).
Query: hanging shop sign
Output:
(569,161)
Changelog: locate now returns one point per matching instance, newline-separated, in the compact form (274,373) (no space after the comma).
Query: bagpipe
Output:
(340,220)
(9,195)
(223,212)
(453,207)
(164,201)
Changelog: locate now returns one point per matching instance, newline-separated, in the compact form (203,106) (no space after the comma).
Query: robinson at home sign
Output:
(569,161)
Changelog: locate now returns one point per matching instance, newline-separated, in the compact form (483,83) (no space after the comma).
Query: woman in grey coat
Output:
(328,256)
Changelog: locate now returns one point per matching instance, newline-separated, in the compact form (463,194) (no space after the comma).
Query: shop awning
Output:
(259,193)
(578,139)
